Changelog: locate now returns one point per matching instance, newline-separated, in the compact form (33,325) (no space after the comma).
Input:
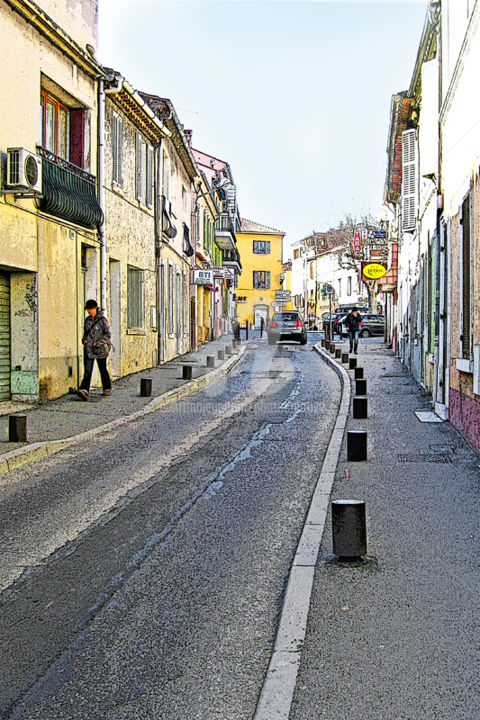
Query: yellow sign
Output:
(374,271)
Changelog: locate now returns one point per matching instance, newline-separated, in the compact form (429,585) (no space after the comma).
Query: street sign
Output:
(357,243)
(377,234)
(329,289)
(282,294)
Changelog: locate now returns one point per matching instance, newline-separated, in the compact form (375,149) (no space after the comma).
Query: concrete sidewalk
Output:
(56,424)
(397,636)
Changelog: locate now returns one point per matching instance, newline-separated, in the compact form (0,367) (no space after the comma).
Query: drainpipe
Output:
(158,209)
(101,191)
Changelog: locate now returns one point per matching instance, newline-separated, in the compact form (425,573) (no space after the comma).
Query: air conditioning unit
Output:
(24,170)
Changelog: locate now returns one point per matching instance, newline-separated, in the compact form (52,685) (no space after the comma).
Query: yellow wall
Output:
(251,262)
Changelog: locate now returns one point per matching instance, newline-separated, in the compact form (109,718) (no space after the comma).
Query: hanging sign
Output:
(203,277)
(357,243)
(373,270)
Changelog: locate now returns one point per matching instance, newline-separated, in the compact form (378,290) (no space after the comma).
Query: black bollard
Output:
(349,529)
(332,348)
(17,428)
(338,353)
(360,387)
(187,372)
(210,361)
(327,345)
(356,445)
(352,363)
(221,354)
(323,342)
(228,350)
(146,387)
(358,373)
(246,329)
(344,358)
(360,407)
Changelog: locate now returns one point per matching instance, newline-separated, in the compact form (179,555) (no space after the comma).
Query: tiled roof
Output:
(248,226)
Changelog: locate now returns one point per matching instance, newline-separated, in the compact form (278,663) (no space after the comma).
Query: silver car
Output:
(287,325)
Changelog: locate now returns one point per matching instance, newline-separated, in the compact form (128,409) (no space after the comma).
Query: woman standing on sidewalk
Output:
(96,346)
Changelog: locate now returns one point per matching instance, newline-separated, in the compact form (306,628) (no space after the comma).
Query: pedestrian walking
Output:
(96,346)
(236,328)
(352,324)
(262,326)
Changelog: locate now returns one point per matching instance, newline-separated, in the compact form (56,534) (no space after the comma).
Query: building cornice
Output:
(56,36)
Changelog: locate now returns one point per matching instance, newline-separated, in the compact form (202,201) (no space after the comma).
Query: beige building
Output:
(133,134)
(49,214)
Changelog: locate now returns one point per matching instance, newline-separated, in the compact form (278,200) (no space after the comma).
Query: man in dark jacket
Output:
(352,324)
(96,346)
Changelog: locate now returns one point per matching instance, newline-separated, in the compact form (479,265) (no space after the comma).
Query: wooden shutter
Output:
(409,180)
(466,270)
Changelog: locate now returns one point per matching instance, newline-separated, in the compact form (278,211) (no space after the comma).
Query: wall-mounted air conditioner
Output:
(24,170)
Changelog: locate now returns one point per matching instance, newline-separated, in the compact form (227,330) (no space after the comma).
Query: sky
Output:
(294,95)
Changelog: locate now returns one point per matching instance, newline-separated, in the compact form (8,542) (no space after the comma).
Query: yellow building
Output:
(260,248)
(49,214)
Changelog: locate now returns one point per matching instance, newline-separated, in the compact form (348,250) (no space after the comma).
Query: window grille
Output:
(135,299)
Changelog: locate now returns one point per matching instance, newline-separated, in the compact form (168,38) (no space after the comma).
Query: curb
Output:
(40,450)
(279,685)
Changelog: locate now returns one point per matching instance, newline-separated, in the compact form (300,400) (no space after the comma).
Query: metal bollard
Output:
(349,529)
(352,363)
(210,361)
(187,372)
(17,428)
(360,387)
(356,445)
(338,353)
(228,350)
(360,407)
(358,373)
(344,358)
(332,348)
(327,345)
(323,342)
(221,354)
(146,387)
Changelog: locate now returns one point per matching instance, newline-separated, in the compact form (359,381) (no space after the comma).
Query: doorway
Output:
(115,317)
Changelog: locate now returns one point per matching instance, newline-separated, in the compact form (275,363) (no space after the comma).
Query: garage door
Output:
(4,336)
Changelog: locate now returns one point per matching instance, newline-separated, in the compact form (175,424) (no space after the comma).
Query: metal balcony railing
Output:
(68,192)
(223,223)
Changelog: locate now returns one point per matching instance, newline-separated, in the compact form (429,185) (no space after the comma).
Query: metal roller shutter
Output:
(4,336)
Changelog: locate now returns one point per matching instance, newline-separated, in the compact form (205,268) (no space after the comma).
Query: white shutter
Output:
(409,179)
(117,149)
(120,152)
(138,167)
(149,189)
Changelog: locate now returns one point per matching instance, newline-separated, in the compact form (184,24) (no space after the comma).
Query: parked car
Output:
(286,326)
(370,325)
(336,319)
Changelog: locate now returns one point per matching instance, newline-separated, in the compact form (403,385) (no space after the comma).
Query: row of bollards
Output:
(349,525)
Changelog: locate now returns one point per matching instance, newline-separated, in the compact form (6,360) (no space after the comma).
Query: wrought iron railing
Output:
(68,192)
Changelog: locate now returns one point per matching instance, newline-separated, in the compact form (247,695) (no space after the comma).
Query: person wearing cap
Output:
(96,346)
(352,324)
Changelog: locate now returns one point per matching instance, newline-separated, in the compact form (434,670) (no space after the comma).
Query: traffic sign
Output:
(329,288)
(357,243)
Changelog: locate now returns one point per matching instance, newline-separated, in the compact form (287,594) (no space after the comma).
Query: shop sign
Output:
(203,277)
(373,270)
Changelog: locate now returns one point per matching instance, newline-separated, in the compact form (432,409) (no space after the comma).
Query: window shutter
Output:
(138,167)
(120,151)
(409,179)
(114,148)
(149,192)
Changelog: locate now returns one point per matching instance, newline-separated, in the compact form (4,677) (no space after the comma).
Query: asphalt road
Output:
(142,575)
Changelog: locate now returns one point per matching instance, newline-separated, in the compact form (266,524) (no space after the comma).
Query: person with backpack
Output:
(352,325)
(96,346)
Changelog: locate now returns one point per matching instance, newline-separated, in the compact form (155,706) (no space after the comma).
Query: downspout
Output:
(101,191)
(158,207)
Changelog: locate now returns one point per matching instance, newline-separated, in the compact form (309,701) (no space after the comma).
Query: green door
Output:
(4,336)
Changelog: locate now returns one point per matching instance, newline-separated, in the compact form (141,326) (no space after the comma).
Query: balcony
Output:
(68,192)
(231,258)
(225,232)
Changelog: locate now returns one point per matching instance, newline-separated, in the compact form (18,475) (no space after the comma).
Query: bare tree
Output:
(350,253)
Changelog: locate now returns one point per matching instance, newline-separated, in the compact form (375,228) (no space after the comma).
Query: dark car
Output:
(286,326)
(370,325)
(336,319)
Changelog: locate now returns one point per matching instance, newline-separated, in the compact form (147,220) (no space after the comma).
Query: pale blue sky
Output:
(294,95)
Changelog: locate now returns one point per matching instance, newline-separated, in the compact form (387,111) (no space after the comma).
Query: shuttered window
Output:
(466,280)
(170,299)
(135,299)
(117,149)
(261,279)
(144,171)
(409,179)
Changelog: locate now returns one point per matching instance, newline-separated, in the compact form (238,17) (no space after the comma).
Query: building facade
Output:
(261,250)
